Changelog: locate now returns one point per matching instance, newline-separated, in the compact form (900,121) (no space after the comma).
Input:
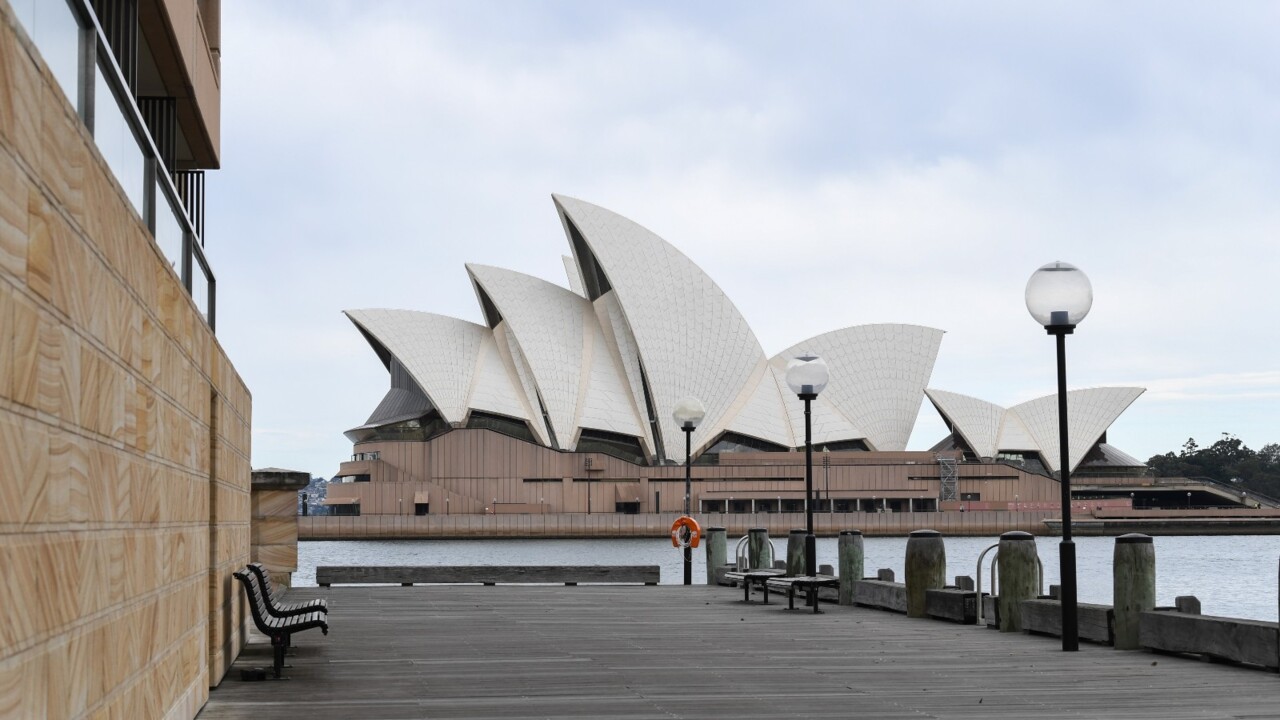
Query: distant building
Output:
(564,388)
(124,428)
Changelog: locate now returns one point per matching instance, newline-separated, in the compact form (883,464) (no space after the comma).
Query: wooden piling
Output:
(759,549)
(851,563)
(717,551)
(795,553)
(926,568)
(1133,573)
(1019,578)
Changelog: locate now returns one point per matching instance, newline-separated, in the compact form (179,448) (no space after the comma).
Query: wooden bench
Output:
(759,577)
(279,629)
(281,609)
(327,575)
(808,583)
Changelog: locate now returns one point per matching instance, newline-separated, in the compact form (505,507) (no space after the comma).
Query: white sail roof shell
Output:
(977,421)
(547,322)
(1033,425)
(691,339)
(764,414)
(878,376)
(438,351)
(494,386)
(1090,412)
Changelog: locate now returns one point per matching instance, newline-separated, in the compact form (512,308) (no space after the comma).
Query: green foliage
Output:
(1228,460)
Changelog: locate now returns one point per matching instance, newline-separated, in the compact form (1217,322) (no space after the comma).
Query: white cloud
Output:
(828,165)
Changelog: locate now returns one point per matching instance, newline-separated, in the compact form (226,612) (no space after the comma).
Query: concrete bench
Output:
(1096,623)
(758,577)
(808,583)
(485,574)
(1243,641)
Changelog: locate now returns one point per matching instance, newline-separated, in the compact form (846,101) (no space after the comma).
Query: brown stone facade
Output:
(124,436)
(472,482)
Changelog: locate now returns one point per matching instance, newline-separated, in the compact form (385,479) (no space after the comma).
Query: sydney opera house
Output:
(561,401)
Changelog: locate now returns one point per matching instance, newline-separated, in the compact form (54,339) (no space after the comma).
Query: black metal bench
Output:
(279,629)
(808,583)
(281,609)
(758,577)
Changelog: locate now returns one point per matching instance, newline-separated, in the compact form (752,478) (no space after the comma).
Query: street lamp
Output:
(688,413)
(1188,500)
(1059,297)
(807,376)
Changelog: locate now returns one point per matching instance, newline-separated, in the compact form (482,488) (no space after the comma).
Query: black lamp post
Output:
(688,413)
(807,376)
(1058,297)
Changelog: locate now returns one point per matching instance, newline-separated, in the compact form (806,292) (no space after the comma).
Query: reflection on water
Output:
(1233,575)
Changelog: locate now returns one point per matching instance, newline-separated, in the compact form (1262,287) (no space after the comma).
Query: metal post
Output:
(688,490)
(1067,549)
(810,542)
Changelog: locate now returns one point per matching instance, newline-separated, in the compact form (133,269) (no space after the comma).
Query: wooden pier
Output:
(700,652)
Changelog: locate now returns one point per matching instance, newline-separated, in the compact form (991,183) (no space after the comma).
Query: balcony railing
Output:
(75,47)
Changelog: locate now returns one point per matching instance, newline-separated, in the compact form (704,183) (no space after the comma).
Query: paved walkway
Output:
(699,652)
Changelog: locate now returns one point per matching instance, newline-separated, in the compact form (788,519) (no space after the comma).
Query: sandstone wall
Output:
(124,437)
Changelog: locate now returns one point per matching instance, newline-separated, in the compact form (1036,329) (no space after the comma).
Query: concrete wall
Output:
(472,469)
(124,437)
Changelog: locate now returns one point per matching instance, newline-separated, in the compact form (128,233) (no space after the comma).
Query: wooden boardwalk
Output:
(700,652)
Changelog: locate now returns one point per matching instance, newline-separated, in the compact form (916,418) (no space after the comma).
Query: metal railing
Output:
(150,189)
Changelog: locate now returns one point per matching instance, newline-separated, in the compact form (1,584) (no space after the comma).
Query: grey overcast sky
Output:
(827,163)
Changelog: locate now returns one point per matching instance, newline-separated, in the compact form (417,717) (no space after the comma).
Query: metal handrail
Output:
(995,566)
(740,558)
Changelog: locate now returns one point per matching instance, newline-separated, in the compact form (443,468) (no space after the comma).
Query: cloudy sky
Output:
(828,164)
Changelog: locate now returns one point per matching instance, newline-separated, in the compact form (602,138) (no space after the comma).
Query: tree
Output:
(1228,460)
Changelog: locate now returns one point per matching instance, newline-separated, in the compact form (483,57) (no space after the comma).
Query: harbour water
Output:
(1232,575)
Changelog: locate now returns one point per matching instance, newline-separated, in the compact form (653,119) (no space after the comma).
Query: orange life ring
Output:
(683,522)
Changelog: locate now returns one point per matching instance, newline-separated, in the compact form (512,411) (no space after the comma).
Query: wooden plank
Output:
(1246,641)
(523,651)
(880,594)
(1095,623)
(952,604)
(327,575)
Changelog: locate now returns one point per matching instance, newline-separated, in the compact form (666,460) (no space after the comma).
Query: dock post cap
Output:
(1017,535)
(714,529)
(1134,538)
(763,530)
(850,532)
(801,531)
(925,533)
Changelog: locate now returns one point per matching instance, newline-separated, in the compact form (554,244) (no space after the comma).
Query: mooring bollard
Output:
(850,547)
(795,554)
(1019,577)
(926,568)
(717,552)
(759,549)
(1133,574)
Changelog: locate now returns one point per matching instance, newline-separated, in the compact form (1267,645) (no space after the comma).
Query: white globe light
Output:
(807,374)
(1059,294)
(688,412)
